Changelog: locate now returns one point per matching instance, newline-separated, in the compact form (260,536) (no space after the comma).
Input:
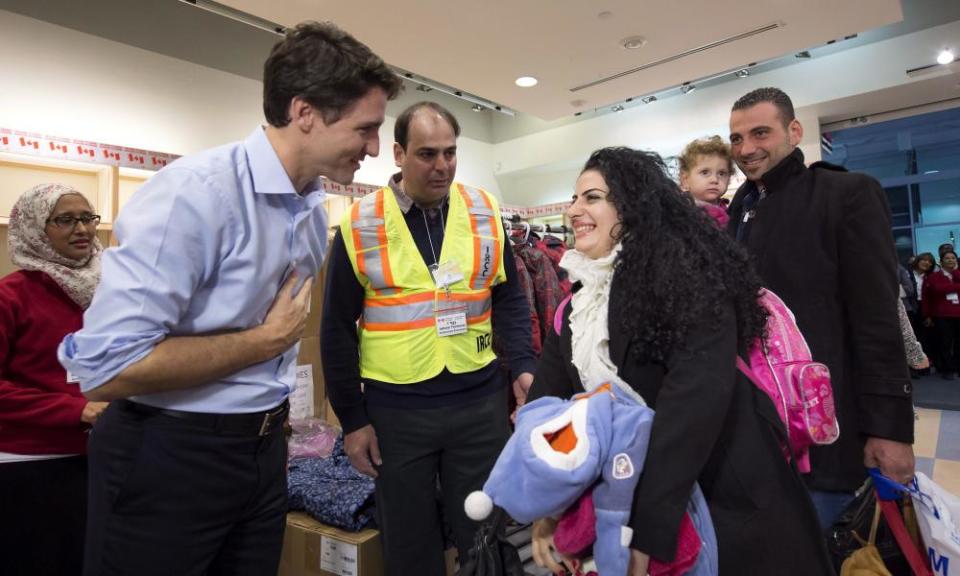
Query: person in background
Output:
(44,419)
(920,266)
(705,170)
(805,227)
(671,335)
(195,330)
(941,309)
(944,248)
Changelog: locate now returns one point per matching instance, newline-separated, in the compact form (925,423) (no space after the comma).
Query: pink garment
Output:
(718,213)
(576,532)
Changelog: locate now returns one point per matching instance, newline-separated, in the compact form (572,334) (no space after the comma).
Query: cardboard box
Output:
(309,368)
(314,549)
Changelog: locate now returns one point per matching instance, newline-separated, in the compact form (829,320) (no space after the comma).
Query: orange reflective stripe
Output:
(481,318)
(398,326)
(382,235)
(476,240)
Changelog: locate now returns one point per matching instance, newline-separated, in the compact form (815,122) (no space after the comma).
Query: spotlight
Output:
(804,55)
(648,99)
(742,73)
(945,57)
(477,108)
(617,108)
(423,88)
(687,88)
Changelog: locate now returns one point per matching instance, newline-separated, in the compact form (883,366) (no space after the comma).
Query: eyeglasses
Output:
(67,221)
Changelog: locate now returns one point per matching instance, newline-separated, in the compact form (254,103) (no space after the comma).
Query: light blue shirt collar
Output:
(269,176)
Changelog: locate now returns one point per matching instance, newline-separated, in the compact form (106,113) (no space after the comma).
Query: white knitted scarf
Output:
(590,338)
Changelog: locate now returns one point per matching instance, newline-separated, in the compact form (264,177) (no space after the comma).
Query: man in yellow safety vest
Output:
(423,264)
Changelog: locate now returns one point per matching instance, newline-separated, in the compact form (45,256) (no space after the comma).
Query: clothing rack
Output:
(515,223)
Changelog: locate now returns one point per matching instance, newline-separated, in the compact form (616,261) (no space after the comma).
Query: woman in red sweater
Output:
(44,418)
(941,308)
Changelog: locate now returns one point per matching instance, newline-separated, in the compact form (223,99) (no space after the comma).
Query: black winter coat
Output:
(821,240)
(714,427)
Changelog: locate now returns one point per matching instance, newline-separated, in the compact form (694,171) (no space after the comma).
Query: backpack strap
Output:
(558,316)
(783,434)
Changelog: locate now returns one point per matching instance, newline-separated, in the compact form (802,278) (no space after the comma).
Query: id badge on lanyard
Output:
(450,316)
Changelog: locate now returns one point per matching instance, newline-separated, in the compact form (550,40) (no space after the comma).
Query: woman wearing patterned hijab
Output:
(43,416)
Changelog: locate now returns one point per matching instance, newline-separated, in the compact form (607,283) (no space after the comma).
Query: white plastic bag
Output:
(938,514)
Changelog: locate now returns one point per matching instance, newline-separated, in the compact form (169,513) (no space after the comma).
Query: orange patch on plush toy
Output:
(563,440)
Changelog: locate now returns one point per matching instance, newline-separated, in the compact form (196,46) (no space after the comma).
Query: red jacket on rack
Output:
(941,295)
(39,410)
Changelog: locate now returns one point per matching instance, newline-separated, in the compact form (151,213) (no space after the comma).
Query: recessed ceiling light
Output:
(633,42)
(743,73)
(945,57)
(617,108)
(648,99)
(526,81)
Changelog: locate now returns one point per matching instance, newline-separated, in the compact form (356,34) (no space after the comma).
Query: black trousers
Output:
(43,509)
(171,498)
(948,330)
(459,445)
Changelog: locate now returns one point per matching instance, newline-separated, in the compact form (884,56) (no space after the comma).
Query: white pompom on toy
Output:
(478,506)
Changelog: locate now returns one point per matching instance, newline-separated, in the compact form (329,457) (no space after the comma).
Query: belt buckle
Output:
(265,426)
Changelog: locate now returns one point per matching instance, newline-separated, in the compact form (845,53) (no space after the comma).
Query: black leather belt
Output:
(252,424)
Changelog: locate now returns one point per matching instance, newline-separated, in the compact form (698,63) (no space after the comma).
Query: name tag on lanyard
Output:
(450,316)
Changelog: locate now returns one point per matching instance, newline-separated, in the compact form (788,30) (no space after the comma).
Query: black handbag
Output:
(492,554)
(852,529)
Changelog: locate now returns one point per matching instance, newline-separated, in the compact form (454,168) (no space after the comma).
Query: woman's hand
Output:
(639,563)
(543,548)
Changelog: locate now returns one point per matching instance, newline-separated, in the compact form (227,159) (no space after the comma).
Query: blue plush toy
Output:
(560,449)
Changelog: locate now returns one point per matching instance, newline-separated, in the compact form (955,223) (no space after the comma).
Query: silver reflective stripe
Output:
(417,311)
(481,211)
(483,221)
(369,226)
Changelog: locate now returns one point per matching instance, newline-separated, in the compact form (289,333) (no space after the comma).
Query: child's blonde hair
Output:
(712,146)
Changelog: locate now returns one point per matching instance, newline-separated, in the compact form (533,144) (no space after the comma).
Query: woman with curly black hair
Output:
(664,301)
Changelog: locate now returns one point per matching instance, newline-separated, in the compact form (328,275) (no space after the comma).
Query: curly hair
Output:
(659,227)
(712,146)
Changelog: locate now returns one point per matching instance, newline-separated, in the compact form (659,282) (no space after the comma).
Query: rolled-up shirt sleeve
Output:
(171,235)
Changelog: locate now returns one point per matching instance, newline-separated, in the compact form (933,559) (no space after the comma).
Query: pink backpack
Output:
(782,367)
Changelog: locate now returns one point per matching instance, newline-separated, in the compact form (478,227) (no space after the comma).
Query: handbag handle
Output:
(892,514)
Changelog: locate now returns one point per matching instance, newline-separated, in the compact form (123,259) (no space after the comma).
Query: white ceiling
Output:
(481,47)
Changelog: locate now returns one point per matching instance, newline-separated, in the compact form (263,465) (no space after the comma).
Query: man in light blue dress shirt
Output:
(192,334)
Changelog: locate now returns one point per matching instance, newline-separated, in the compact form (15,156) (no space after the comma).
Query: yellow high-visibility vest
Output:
(399,339)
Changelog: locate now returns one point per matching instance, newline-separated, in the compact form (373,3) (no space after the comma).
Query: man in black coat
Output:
(820,239)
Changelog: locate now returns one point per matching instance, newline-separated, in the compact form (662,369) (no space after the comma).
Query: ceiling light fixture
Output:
(526,81)
(648,99)
(617,108)
(687,88)
(742,73)
(945,57)
(804,55)
(633,42)
(423,85)
(477,108)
